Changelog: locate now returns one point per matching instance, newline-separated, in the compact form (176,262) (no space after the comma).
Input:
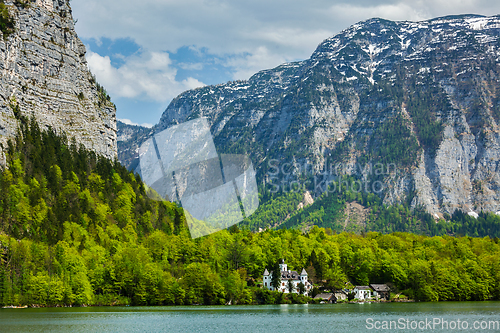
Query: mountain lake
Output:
(400,317)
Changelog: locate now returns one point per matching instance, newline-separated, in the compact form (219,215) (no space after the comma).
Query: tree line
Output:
(119,267)
(279,210)
(76,228)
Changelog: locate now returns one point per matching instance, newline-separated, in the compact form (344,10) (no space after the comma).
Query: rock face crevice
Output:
(423,95)
(44,72)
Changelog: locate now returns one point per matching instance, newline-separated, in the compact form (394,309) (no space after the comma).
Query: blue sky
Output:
(194,66)
(146,53)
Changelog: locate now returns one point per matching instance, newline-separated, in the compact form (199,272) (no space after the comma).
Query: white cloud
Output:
(246,36)
(399,11)
(269,31)
(130,122)
(148,75)
(196,66)
(251,63)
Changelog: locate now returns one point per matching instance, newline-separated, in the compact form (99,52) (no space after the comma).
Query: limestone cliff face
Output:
(129,138)
(43,70)
(424,96)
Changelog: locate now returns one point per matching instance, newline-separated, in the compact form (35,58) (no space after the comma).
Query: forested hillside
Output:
(280,210)
(79,229)
(52,185)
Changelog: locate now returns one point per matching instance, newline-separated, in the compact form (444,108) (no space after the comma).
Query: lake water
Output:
(405,317)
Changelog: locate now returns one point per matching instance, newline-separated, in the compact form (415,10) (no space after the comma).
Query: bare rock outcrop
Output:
(44,75)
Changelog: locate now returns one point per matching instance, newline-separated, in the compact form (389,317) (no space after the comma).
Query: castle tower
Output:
(283,266)
(266,280)
(303,276)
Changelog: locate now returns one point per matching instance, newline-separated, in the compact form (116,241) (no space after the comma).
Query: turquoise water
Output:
(265,318)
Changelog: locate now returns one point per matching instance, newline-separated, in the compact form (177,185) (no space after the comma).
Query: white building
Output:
(287,275)
(362,292)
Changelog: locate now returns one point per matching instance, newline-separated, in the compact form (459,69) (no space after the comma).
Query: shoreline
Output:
(37,306)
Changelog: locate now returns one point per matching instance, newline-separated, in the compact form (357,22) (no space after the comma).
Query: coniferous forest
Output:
(76,229)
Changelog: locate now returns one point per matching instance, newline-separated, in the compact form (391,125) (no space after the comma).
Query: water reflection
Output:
(268,318)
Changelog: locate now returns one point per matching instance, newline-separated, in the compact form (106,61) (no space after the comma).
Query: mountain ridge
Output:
(422,95)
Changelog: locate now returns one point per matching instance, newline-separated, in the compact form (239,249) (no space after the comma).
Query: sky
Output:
(147,52)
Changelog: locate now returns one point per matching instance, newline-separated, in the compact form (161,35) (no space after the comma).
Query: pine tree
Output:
(276,276)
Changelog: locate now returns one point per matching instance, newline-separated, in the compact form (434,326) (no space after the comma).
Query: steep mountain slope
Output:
(421,98)
(128,138)
(44,74)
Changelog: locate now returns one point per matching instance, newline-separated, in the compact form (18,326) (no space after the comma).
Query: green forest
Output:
(77,229)
(279,210)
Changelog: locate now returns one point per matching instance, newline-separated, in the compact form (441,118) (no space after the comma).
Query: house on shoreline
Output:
(325,297)
(376,291)
(362,292)
(287,275)
(334,297)
(381,291)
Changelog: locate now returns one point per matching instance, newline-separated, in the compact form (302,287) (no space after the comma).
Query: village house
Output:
(340,295)
(287,275)
(381,291)
(325,297)
(332,297)
(362,292)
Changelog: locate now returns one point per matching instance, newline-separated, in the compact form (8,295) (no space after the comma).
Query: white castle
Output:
(287,275)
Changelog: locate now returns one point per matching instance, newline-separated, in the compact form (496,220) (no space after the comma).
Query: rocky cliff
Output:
(44,75)
(129,138)
(421,99)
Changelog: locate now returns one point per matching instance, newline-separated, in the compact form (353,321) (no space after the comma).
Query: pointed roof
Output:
(303,272)
(266,272)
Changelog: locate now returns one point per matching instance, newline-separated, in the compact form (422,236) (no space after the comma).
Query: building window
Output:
(282,284)
(266,284)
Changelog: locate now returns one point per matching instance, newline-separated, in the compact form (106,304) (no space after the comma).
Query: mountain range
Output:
(410,106)
(418,101)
